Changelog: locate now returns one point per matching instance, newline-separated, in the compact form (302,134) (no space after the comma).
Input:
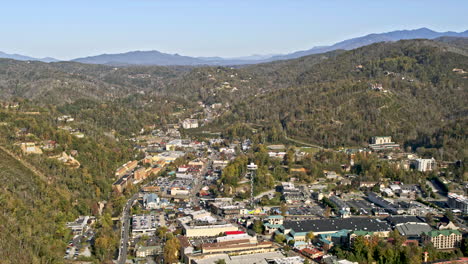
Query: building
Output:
(273,223)
(410,226)
(257,258)
(312,253)
(387,205)
(168,156)
(151,201)
(195,229)
(383,143)
(30,148)
(381,140)
(142,173)
(178,191)
(342,205)
(298,230)
(226,210)
(190,123)
(143,252)
(126,168)
(122,183)
(459,202)
(424,165)
(445,223)
(79,225)
(237,247)
(443,239)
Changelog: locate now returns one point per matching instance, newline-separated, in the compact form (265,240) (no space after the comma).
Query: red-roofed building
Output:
(227,233)
(312,253)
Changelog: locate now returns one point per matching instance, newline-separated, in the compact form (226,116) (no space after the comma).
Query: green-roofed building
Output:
(443,239)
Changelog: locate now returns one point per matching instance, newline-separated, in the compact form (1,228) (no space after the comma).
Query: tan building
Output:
(238,247)
(30,148)
(142,173)
(443,239)
(207,230)
(126,168)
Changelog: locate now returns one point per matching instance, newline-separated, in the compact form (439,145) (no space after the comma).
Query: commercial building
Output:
(383,143)
(195,229)
(258,258)
(387,205)
(237,247)
(425,164)
(298,230)
(458,202)
(443,239)
(126,168)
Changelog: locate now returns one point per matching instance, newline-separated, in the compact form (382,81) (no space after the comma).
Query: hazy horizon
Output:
(65,30)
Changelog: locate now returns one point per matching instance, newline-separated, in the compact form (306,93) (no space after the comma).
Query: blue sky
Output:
(68,29)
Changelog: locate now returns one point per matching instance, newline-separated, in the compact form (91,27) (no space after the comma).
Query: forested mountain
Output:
(323,98)
(332,104)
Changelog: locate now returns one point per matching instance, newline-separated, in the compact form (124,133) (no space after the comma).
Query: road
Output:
(199,182)
(122,258)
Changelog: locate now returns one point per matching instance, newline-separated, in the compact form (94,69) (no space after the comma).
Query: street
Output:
(125,230)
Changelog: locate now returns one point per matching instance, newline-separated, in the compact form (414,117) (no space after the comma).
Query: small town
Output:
(234,132)
(184,207)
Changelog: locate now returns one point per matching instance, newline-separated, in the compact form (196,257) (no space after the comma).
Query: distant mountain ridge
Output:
(421,33)
(25,58)
(164,59)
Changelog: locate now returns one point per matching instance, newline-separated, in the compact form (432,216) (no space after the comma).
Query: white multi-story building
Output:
(459,202)
(425,164)
(190,123)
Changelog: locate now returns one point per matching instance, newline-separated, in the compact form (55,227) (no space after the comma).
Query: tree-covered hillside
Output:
(333,104)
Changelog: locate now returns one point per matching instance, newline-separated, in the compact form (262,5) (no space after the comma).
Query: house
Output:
(367,184)
(49,145)
(443,239)
(445,224)
(377,87)
(67,160)
(30,148)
